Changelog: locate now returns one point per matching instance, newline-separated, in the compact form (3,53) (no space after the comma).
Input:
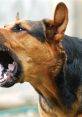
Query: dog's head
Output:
(32,51)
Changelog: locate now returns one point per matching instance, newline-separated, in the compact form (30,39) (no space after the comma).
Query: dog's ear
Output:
(55,28)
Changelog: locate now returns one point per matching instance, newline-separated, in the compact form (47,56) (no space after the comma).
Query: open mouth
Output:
(10,68)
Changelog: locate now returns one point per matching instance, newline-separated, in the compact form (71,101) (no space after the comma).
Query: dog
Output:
(40,53)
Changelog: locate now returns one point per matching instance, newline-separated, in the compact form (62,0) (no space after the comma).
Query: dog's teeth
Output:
(11,67)
(1,70)
(1,77)
(1,80)
(5,76)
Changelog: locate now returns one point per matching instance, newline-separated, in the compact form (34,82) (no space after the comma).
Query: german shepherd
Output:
(38,52)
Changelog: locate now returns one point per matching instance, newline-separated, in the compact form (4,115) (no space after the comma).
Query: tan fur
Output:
(41,62)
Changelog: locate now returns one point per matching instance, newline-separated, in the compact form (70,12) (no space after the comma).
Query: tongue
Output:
(12,68)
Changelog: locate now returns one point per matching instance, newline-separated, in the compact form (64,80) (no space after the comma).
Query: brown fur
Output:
(41,62)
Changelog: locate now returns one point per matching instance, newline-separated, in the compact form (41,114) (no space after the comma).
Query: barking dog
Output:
(38,52)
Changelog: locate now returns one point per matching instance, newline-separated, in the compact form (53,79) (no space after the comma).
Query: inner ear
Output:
(50,29)
(61,17)
(55,28)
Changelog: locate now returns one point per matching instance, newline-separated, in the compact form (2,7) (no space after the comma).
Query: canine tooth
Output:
(1,70)
(11,67)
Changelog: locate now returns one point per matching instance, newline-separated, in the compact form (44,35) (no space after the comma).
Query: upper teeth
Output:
(11,67)
(1,71)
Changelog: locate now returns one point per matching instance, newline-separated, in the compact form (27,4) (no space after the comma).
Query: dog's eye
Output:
(18,28)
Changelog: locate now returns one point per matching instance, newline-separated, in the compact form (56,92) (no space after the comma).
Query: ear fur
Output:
(55,28)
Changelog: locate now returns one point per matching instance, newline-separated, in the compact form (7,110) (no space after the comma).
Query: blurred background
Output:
(21,99)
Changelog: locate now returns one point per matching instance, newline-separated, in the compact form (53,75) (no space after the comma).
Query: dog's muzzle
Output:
(10,67)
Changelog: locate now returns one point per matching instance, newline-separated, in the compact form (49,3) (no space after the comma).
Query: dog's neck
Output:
(45,83)
(64,95)
(54,100)
(53,87)
(49,85)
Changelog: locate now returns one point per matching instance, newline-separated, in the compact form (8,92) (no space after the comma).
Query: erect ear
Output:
(55,28)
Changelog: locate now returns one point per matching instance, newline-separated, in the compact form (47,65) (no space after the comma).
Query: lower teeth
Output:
(9,72)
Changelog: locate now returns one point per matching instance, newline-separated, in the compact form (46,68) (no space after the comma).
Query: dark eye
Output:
(18,28)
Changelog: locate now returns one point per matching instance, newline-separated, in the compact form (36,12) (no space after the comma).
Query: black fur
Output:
(73,67)
(70,77)
(37,30)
